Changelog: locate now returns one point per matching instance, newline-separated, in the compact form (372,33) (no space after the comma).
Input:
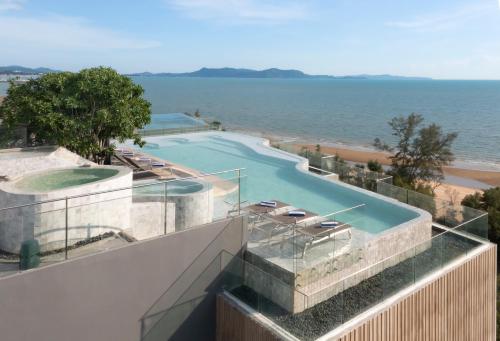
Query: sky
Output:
(448,39)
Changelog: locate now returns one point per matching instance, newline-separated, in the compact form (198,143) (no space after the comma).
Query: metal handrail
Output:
(344,210)
(156,183)
(321,170)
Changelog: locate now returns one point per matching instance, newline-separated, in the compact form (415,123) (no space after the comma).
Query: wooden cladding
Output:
(234,324)
(458,306)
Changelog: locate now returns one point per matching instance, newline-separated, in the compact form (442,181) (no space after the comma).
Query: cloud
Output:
(61,32)
(242,11)
(445,20)
(11,5)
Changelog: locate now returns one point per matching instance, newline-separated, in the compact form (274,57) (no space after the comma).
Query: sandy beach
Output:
(446,191)
(489,177)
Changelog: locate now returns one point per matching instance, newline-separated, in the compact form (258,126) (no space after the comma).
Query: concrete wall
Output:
(112,295)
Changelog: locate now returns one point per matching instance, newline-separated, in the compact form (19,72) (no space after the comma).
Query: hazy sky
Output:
(436,38)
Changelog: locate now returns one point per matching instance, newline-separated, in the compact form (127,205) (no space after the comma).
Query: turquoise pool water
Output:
(58,179)
(173,121)
(180,187)
(270,177)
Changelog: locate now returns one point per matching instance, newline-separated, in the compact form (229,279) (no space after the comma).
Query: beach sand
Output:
(450,192)
(488,177)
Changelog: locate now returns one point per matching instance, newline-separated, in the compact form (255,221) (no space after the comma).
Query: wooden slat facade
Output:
(460,305)
(234,324)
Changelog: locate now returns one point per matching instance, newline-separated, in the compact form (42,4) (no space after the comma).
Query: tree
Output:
(488,201)
(420,153)
(375,166)
(81,111)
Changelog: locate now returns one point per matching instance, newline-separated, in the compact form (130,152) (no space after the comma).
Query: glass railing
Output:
(261,290)
(305,254)
(54,230)
(172,131)
(315,311)
(443,212)
(328,164)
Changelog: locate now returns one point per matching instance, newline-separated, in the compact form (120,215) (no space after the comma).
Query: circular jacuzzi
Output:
(193,199)
(63,178)
(65,209)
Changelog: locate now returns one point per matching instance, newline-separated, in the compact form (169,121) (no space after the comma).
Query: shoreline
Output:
(491,178)
(459,163)
(459,181)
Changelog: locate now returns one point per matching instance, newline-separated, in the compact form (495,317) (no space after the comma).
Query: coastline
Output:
(491,178)
(459,181)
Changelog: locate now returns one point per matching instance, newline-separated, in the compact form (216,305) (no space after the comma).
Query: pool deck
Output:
(173,171)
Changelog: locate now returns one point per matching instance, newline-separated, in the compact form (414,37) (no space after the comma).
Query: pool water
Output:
(173,121)
(269,177)
(179,187)
(63,178)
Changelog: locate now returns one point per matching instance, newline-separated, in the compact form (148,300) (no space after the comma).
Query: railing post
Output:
(238,171)
(66,231)
(165,207)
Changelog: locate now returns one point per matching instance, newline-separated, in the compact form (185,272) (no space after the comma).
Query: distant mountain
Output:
(21,70)
(391,77)
(232,73)
(268,73)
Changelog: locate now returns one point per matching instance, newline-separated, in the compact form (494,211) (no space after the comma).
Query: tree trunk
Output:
(107,157)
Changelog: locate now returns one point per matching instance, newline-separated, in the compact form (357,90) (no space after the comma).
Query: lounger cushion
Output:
(268,203)
(296,213)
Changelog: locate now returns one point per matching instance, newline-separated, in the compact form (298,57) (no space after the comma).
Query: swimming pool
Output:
(173,121)
(273,174)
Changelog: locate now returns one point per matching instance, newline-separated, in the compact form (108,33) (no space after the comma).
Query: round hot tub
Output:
(193,200)
(64,210)
(63,178)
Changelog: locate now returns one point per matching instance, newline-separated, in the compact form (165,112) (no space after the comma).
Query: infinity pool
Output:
(272,174)
(173,121)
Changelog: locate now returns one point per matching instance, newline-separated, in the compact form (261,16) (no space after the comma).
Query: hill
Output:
(268,73)
(21,70)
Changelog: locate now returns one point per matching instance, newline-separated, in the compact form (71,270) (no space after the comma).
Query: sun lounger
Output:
(296,216)
(267,209)
(259,211)
(320,232)
(287,221)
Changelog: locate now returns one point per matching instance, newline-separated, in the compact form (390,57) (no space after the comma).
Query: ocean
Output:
(342,112)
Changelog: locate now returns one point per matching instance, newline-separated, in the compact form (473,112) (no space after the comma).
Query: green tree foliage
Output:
(81,111)
(488,201)
(420,152)
(375,166)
